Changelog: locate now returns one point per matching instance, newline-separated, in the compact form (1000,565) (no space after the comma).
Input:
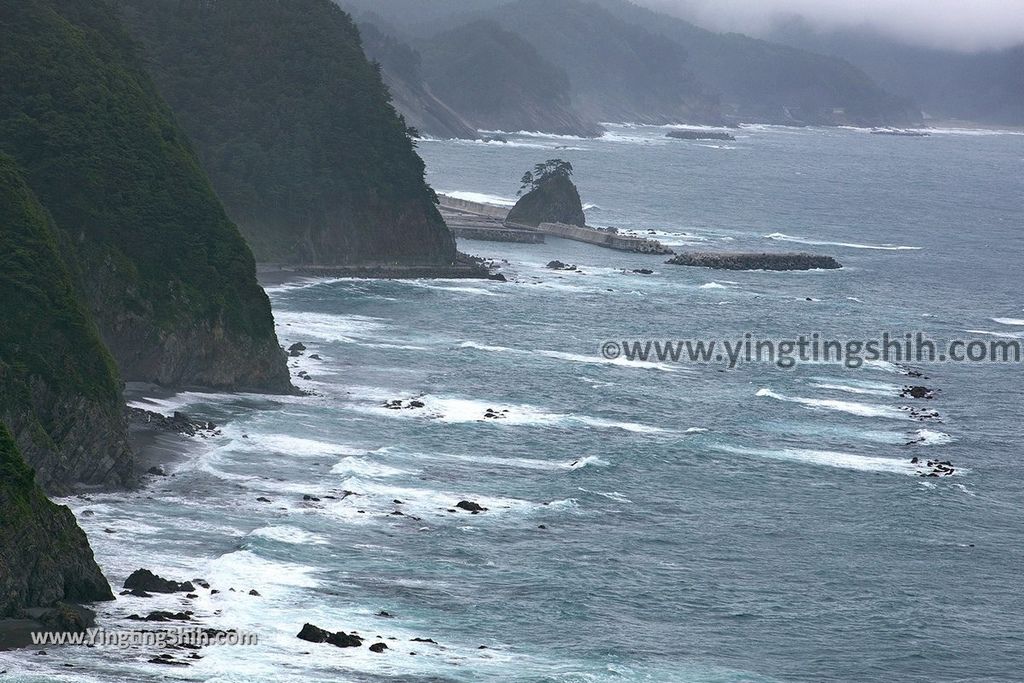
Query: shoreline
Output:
(469,268)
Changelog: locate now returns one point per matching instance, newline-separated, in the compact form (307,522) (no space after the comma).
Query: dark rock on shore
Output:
(754,261)
(177,423)
(690,134)
(145,580)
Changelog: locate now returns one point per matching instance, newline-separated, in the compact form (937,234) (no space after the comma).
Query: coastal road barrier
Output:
(787,353)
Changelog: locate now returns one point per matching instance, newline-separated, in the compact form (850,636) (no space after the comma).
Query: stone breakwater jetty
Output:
(700,135)
(735,260)
(480,221)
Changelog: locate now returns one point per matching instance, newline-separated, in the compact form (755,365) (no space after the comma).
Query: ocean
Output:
(646,521)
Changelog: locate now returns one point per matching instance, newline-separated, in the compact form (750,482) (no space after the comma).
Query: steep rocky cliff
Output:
(44,555)
(296,129)
(497,81)
(553,200)
(401,69)
(168,277)
(59,389)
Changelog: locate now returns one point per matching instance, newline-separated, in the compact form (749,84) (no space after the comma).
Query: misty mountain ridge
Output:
(985,87)
(624,63)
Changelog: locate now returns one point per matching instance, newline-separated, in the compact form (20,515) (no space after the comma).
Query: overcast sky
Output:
(966,25)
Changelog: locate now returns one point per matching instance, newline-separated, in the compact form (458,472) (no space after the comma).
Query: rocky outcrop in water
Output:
(754,261)
(554,200)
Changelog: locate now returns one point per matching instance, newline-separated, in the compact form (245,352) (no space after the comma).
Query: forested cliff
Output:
(296,129)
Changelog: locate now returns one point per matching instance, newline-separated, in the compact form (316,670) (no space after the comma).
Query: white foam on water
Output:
(364,467)
(535,134)
(585,461)
(1000,334)
(850,245)
(854,389)
(453,410)
(713,285)
(298,284)
(839,459)
(460,289)
(634,427)
(1009,321)
(433,502)
(850,407)
(695,430)
(166,405)
(884,366)
(595,359)
(931,437)
(289,534)
(978,132)
(330,327)
(296,446)
(610,495)
(243,568)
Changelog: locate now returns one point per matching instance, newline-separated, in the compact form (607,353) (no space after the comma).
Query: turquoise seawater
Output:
(700,523)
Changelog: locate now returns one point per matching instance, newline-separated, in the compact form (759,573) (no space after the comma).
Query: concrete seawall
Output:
(604,238)
(477,208)
(476,220)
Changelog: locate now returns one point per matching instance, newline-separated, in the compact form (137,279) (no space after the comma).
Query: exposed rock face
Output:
(169,279)
(59,389)
(412,97)
(44,556)
(555,200)
(296,129)
(497,81)
(754,261)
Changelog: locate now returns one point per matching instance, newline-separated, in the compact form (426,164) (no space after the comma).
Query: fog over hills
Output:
(624,63)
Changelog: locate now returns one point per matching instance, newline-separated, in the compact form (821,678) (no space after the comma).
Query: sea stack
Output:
(550,197)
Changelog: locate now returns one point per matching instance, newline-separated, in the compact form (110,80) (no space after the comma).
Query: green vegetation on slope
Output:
(44,556)
(59,388)
(168,277)
(498,81)
(296,129)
